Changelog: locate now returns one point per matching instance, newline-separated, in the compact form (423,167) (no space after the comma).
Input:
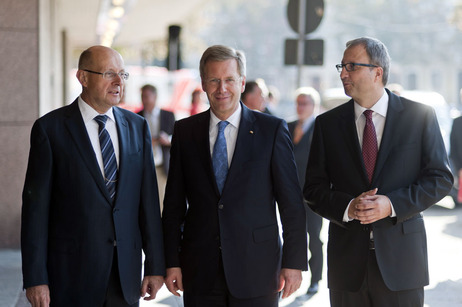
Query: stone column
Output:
(19,107)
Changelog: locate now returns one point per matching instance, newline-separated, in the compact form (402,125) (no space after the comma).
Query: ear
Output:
(82,77)
(243,85)
(379,74)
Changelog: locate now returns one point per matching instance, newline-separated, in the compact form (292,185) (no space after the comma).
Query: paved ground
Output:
(444,232)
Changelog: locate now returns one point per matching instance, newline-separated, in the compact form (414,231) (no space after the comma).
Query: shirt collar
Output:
(380,107)
(234,119)
(88,113)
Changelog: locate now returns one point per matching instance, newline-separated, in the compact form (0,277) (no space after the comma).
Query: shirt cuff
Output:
(346,218)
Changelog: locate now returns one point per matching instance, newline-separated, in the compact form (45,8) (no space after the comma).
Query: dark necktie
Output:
(298,132)
(370,148)
(109,158)
(220,156)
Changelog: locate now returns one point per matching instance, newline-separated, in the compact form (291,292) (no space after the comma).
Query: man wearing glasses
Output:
(229,165)
(376,163)
(90,200)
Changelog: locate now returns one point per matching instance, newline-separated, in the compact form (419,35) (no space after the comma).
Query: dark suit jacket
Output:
(302,150)
(241,223)
(412,169)
(68,222)
(456,144)
(167,121)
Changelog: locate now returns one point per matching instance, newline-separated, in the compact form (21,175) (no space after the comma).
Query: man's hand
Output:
(289,281)
(370,207)
(164,139)
(38,296)
(150,286)
(174,280)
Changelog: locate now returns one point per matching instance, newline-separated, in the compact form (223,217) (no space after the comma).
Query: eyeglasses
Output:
(352,66)
(110,75)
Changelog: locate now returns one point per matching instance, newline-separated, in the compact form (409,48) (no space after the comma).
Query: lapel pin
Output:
(251,131)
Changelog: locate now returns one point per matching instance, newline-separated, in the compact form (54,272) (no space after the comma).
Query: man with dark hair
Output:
(252,96)
(161,124)
(376,163)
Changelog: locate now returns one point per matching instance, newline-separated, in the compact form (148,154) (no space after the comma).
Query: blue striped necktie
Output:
(220,156)
(109,158)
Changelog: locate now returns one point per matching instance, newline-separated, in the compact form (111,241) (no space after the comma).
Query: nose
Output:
(118,79)
(222,86)
(343,73)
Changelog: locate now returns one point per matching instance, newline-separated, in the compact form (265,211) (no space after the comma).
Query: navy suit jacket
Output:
(412,169)
(69,224)
(240,226)
(302,150)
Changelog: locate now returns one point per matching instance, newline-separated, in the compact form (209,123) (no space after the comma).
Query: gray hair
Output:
(219,53)
(310,92)
(377,52)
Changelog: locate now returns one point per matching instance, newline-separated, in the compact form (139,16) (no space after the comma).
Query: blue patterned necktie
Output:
(109,158)
(220,156)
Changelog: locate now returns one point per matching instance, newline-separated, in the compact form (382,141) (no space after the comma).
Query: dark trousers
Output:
(114,294)
(220,296)
(374,292)
(313,226)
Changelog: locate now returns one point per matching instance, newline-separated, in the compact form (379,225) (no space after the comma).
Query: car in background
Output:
(441,107)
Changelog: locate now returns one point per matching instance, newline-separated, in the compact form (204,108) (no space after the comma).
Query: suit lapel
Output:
(395,106)
(243,150)
(76,127)
(350,134)
(124,144)
(201,138)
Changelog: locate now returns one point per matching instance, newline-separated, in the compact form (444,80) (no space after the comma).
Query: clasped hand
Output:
(369,207)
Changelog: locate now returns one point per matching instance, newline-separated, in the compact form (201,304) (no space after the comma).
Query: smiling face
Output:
(363,84)
(223,85)
(100,93)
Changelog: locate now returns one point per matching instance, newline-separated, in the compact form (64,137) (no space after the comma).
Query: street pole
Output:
(301,40)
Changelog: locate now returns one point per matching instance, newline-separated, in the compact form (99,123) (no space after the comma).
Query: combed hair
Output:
(377,52)
(249,88)
(220,53)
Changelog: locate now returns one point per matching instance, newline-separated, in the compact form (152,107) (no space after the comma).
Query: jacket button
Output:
(220,206)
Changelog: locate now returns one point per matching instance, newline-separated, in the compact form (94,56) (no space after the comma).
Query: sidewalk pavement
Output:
(444,233)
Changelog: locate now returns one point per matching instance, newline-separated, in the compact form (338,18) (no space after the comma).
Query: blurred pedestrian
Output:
(197,104)
(455,156)
(90,203)
(161,124)
(252,96)
(229,252)
(376,163)
(301,130)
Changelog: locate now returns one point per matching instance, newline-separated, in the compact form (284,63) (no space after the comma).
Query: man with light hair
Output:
(307,104)
(221,231)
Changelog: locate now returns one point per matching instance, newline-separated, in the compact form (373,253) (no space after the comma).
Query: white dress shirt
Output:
(379,115)
(230,131)
(153,119)
(88,115)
